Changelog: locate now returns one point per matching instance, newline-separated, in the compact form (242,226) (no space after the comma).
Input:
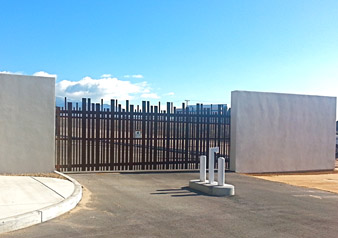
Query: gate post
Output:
(143,164)
(83,135)
(58,139)
(212,152)
(69,137)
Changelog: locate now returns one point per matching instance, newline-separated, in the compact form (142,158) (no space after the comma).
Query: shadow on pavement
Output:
(179,192)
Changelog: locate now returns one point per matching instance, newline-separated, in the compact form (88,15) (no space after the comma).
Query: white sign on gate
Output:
(137,134)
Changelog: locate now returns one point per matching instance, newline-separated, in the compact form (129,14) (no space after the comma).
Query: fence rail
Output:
(91,138)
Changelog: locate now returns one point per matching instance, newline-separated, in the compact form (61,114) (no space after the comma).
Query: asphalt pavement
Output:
(161,205)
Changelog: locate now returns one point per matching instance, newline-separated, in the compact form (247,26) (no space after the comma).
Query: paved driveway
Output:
(159,205)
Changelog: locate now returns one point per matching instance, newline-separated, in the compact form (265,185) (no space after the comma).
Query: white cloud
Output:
(105,87)
(136,76)
(150,96)
(44,74)
(170,94)
(9,72)
(106,76)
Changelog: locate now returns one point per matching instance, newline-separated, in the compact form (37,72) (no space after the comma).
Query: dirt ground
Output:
(326,181)
(51,175)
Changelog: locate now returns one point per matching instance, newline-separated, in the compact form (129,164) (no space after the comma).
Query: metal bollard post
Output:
(221,170)
(212,152)
(203,168)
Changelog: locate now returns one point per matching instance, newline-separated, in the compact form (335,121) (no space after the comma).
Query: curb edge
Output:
(44,214)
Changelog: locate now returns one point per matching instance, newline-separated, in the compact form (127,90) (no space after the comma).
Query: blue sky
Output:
(172,50)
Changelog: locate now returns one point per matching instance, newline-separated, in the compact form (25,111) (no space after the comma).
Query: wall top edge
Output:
(286,94)
(26,76)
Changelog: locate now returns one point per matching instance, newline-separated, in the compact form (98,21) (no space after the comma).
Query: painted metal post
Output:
(221,170)
(212,152)
(203,168)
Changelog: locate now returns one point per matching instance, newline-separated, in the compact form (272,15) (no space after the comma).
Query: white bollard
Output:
(203,168)
(221,170)
(212,151)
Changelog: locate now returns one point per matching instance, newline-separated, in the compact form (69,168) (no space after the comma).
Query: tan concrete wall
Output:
(273,132)
(27,115)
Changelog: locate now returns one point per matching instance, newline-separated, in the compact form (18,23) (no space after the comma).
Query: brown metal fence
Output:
(92,138)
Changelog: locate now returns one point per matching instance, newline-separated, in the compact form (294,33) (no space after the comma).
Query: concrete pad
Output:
(21,194)
(212,189)
(25,200)
(60,186)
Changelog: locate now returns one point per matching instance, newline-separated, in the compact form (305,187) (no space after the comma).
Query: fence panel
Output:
(92,138)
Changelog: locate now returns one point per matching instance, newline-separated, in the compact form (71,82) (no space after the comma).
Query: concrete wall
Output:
(27,115)
(273,132)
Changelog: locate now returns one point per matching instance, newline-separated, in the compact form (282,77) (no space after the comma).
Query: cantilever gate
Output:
(92,138)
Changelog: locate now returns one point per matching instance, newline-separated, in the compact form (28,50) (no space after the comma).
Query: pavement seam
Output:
(41,215)
(48,187)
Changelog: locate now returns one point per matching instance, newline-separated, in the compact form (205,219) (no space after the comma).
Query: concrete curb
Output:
(44,214)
